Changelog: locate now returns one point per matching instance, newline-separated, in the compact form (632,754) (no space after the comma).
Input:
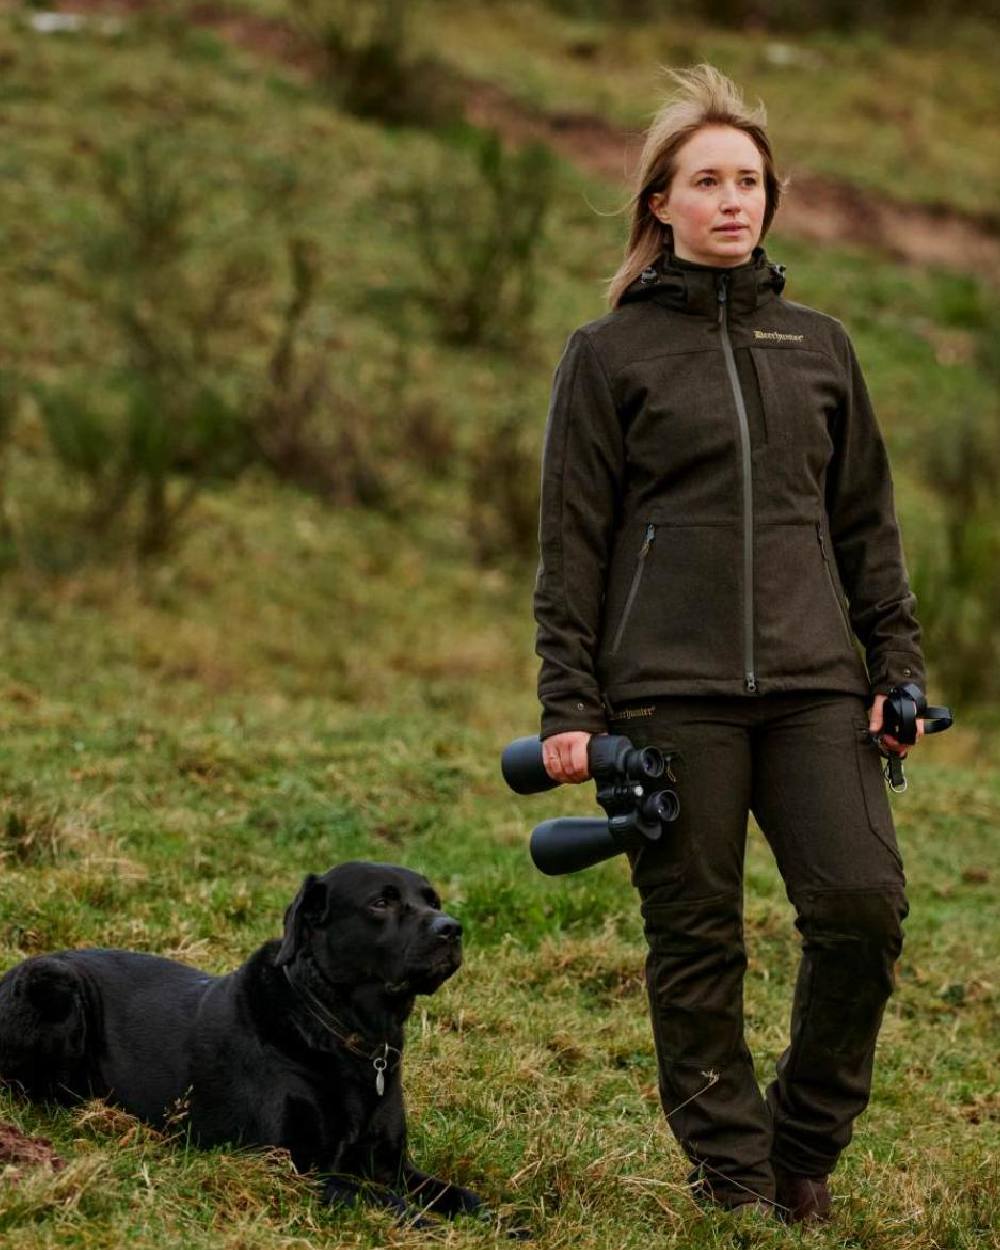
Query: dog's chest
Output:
(323,1119)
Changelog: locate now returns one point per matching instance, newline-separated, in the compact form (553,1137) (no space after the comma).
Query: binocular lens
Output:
(649,764)
(662,807)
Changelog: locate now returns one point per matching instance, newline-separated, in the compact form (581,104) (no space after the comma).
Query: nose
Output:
(446,928)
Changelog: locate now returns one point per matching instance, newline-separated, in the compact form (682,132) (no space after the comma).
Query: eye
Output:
(707,178)
(379,904)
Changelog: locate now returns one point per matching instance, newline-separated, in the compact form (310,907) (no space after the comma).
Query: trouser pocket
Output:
(876,801)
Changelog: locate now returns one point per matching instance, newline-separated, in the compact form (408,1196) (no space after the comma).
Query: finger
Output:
(552,762)
(875,714)
(566,761)
(580,766)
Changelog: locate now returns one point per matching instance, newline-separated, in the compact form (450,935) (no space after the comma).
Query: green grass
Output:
(181,743)
(180,773)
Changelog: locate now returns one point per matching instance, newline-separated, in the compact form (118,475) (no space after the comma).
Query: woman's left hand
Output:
(890,743)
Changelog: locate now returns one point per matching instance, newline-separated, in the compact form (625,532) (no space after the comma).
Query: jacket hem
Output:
(734,686)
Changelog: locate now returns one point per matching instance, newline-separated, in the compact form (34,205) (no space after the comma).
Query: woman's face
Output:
(718,185)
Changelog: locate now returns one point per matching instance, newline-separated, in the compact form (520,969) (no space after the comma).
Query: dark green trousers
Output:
(801,762)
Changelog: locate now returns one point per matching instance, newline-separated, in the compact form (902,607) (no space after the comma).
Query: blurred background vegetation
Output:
(282,286)
(274,245)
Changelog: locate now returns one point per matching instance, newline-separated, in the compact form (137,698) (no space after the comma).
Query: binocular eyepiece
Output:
(633,787)
(903,706)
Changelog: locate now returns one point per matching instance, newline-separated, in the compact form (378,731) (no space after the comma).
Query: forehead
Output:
(363,877)
(719,147)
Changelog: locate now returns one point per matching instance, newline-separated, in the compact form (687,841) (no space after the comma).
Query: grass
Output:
(181,742)
(172,781)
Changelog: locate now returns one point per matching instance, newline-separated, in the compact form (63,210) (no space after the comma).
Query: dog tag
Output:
(380,1066)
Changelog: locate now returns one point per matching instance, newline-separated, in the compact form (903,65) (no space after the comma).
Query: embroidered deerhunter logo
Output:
(630,713)
(775,337)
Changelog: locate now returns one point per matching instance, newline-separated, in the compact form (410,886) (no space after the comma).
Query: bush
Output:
(479,216)
(781,15)
(367,62)
(503,488)
(165,403)
(176,405)
(9,396)
(957,587)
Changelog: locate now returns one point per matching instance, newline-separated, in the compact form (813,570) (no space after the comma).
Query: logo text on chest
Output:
(775,337)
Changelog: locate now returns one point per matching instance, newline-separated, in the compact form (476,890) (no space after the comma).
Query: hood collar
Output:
(693,288)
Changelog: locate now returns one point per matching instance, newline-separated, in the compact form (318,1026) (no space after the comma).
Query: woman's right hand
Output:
(565,756)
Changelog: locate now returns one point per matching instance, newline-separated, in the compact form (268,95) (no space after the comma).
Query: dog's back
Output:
(103,1023)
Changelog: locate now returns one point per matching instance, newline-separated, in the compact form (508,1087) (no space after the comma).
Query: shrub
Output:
(367,62)
(160,415)
(9,396)
(478,217)
(957,585)
(783,15)
(503,489)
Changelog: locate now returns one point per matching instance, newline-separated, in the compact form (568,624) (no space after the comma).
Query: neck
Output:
(363,1017)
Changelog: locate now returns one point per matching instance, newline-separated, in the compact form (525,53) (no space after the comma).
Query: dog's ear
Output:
(308,907)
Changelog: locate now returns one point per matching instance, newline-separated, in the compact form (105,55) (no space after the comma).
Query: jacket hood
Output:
(693,288)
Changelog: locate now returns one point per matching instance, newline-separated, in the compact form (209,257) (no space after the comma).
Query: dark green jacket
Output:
(717,510)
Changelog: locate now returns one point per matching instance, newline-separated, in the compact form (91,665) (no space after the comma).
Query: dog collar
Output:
(377,1055)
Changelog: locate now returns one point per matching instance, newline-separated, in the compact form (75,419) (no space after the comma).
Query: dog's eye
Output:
(379,904)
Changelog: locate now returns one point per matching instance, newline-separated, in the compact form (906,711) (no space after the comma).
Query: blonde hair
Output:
(705,97)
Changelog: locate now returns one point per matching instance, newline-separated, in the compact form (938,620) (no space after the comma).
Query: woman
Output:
(717,536)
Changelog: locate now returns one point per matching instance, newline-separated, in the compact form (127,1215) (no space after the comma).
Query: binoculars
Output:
(633,786)
(904,706)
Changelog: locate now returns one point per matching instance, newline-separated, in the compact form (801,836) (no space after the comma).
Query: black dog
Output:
(301,1047)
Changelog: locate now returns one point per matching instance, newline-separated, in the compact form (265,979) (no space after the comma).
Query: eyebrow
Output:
(715,171)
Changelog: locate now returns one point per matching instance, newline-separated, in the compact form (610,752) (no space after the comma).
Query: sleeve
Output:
(866,540)
(582,471)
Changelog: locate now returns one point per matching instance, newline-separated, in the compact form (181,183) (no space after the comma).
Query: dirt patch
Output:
(17,1149)
(817,209)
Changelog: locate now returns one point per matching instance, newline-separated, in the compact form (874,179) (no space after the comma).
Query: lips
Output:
(729,229)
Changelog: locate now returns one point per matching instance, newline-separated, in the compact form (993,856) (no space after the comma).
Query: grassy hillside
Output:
(892,117)
(298,685)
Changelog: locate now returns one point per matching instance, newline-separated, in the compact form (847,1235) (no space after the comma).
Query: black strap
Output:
(937,719)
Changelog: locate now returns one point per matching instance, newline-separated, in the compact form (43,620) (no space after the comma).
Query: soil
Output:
(16,1148)
(816,209)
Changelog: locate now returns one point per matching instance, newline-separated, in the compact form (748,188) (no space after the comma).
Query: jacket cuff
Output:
(567,713)
(896,668)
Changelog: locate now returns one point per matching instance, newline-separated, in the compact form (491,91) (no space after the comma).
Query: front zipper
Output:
(833,586)
(633,589)
(749,676)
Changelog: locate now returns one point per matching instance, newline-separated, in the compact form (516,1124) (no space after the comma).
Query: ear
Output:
(656,203)
(309,907)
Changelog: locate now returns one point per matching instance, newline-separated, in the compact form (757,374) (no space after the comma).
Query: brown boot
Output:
(801,1199)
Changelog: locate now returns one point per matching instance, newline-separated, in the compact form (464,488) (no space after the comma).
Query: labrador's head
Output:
(363,923)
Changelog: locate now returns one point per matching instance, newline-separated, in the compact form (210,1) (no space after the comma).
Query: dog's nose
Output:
(446,928)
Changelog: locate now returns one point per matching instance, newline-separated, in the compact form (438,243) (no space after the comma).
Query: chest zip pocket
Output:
(833,586)
(633,589)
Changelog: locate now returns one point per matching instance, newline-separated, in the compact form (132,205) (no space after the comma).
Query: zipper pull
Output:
(648,541)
